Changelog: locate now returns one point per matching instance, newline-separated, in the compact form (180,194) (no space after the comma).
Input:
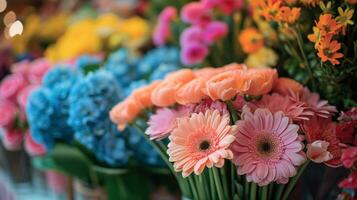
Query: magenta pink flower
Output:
(296,111)
(349,157)
(214,31)
(21,67)
(196,13)
(37,70)
(12,139)
(168,14)
(191,34)
(162,33)
(208,104)
(32,147)
(227,7)
(24,94)
(164,121)
(239,102)
(193,53)
(350,182)
(8,112)
(11,86)
(267,147)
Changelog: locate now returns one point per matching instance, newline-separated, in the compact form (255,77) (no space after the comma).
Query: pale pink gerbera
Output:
(296,111)
(201,140)
(314,103)
(267,147)
(164,121)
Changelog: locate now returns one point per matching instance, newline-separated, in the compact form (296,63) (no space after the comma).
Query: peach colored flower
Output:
(191,92)
(226,85)
(143,94)
(197,143)
(164,94)
(232,67)
(286,85)
(317,151)
(206,73)
(181,76)
(267,147)
(125,112)
(261,80)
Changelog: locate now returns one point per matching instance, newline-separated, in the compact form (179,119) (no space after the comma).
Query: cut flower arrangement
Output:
(233,132)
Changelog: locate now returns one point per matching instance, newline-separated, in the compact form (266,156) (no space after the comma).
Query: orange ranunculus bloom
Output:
(328,25)
(261,80)
(143,94)
(327,50)
(181,76)
(191,92)
(251,40)
(226,85)
(206,73)
(164,93)
(289,15)
(310,2)
(286,85)
(125,112)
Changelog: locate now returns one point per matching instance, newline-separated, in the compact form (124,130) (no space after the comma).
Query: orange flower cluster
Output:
(191,86)
(251,40)
(323,32)
(275,10)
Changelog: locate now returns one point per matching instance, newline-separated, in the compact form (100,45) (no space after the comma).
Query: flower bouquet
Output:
(233,132)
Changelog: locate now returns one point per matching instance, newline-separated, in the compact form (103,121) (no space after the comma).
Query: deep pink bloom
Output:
(191,34)
(323,129)
(349,157)
(162,33)
(8,112)
(348,116)
(296,111)
(267,147)
(239,102)
(164,121)
(21,67)
(12,139)
(32,147)
(168,14)
(196,13)
(193,53)
(11,86)
(24,94)
(37,70)
(346,132)
(227,7)
(350,182)
(214,31)
(208,104)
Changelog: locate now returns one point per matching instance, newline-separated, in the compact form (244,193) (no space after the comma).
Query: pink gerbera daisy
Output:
(164,121)
(201,140)
(275,102)
(267,147)
(314,103)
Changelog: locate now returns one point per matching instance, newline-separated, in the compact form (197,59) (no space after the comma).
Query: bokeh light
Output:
(3,5)
(16,28)
(9,18)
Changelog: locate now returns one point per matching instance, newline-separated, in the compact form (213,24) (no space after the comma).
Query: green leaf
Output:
(44,163)
(72,161)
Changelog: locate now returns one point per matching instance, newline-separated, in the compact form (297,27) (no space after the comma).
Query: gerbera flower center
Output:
(204,145)
(266,146)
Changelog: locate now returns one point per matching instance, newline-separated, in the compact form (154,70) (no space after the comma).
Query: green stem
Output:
(224,180)
(192,184)
(218,183)
(253,191)
(279,192)
(293,181)
(264,193)
(212,187)
(246,188)
(232,179)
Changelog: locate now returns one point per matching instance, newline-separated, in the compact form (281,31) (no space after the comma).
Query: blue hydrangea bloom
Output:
(90,101)
(161,71)
(122,66)
(85,61)
(142,149)
(156,57)
(47,108)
